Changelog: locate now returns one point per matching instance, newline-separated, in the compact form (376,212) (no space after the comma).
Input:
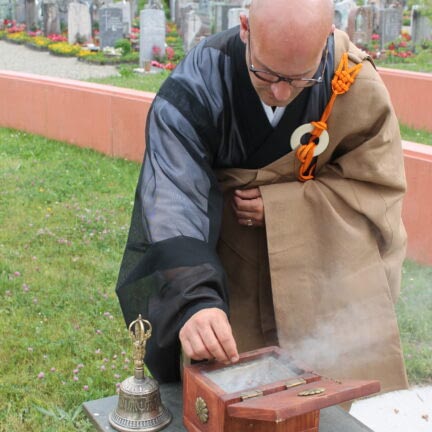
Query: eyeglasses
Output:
(273,78)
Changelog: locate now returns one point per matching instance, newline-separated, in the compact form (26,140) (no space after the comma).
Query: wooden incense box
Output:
(263,392)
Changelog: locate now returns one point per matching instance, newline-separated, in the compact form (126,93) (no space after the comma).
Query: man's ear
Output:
(244,28)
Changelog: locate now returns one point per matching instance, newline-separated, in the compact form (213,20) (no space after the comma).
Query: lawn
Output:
(65,214)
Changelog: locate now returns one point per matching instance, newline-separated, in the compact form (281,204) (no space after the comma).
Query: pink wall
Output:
(112,120)
(411,94)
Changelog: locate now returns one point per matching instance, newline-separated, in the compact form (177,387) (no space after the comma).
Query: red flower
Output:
(169,52)
(170,66)
(375,37)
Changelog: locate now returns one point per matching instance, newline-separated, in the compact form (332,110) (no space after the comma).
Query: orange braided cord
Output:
(305,154)
(344,76)
(342,80)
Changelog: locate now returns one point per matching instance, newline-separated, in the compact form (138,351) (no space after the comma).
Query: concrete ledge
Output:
(417,208)
(106,118)
(112,120)
(411,96)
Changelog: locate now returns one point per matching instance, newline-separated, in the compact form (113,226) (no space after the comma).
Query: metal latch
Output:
(251,394)
(295,382)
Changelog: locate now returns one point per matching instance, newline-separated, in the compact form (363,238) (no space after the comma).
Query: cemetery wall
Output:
(112,120)
(411,95)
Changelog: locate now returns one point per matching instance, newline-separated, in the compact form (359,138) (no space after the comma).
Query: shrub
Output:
(125,46)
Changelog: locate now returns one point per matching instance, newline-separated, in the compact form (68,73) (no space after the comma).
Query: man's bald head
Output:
(285,37)
(292,21)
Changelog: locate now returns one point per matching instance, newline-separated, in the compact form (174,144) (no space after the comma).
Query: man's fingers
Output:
(247,205)
(247,194)
(227,341)
(208,335)
(194,346)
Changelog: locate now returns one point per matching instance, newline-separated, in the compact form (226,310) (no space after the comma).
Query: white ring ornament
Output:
(297,135)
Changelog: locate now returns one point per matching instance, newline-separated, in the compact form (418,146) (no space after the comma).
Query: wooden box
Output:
(263,392)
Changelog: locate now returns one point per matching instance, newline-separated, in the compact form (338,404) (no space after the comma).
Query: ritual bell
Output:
(139,407)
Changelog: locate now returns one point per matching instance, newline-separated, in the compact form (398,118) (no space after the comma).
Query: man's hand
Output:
(248,206)
(208,335)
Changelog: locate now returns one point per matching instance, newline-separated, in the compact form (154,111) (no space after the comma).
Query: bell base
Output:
(150,425)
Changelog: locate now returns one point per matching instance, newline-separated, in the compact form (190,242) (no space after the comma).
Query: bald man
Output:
(230,248)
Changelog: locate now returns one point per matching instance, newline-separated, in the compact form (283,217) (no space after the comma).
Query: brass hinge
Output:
(251,394)
(295,382)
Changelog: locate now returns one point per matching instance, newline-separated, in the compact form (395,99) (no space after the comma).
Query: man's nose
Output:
(281,90)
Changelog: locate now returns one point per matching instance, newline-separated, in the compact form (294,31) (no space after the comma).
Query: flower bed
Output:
(125,51)
(63,49)
(39,43)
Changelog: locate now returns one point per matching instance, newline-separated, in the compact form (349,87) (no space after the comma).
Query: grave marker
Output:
(110,26)
(79,25)
(152,34)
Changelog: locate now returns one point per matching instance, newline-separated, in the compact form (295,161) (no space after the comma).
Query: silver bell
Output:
(139,407)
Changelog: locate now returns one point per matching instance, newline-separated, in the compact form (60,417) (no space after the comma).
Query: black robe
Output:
(206,116)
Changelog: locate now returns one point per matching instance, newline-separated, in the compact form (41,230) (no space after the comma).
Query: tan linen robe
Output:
(332,248)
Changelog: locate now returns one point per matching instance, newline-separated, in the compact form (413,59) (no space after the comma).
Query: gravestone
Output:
(126,16)
(51,18)
(204,7)
(421,26)
(183,9)
(79,24)
(362,26)
(192,25)
(221,15)
(20,12)
(172,5)
(7,11)
(63,6)
(234,16)
(31,15)
(110,26)
(152,34)
(342,10)
(390,25)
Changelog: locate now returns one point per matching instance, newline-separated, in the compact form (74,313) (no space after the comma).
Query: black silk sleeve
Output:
(170,268)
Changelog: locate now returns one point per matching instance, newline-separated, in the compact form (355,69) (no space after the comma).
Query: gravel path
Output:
(22,59)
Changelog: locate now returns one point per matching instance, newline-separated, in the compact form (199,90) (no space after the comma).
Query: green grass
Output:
(416,135)
(64,216)
(129,79)
(425,67)
(414,311)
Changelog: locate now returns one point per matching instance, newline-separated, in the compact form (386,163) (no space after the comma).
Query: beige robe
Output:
(332,248)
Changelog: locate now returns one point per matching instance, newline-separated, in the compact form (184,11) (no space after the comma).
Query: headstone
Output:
(183,9)
(191,29)
(222,14)
(126,16)
(63,6)
(110,26)
(31,15)
(390,25)
(234,16)
(421,26)
(51,18)
(172,5)
(20,11)
(79,24)
(362,26)
(152,34)
(341,13)
(5,11)
(204,7)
